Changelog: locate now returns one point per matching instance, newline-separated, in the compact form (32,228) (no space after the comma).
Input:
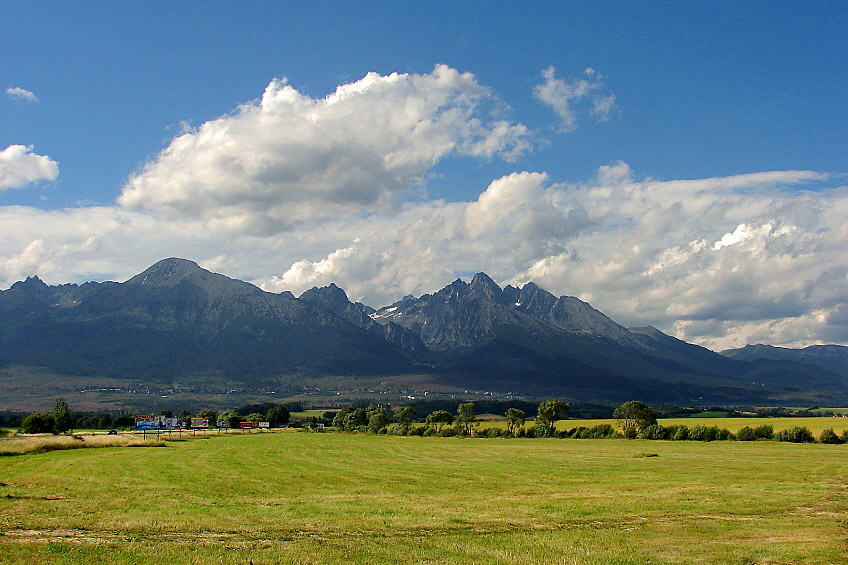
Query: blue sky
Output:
(677,91)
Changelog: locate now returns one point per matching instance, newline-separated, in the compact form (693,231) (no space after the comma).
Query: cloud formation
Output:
(566,97)
(19,166)
(18,93)
(288,158)
(292,192)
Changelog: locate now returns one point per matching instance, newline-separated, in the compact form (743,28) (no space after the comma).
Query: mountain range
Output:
(176,320)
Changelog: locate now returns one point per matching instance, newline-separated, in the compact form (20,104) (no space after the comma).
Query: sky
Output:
(683,165)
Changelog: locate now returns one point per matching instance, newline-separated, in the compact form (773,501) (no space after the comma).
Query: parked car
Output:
(112,432)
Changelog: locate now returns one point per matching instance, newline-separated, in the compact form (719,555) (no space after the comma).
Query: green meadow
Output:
(305,497)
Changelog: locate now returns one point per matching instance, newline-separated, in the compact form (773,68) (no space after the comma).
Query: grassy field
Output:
(814,424)
(301,497)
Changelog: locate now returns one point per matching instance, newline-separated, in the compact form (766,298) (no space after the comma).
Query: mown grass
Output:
(299,497)
(814,423)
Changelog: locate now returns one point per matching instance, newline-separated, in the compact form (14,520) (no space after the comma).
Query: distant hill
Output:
(176,320)
(832,358)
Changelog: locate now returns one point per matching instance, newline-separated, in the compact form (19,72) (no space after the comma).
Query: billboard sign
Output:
(223,423)
(245,425)
(264,424)
(200,422)
(144,423)
(147,423)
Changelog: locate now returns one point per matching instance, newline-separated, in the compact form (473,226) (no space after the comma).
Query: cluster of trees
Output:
(637,420)
(376,419)
(57,422)
(62,420)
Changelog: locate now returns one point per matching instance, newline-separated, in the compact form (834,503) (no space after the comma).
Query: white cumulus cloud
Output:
(18,93)
(288,158)
(19,166)
(566,97)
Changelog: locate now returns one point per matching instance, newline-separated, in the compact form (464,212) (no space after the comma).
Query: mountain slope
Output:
(333,299)
(176,318)
(832,358)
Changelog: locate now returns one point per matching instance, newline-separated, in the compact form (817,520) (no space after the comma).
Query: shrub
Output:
(654,431)
(766,431)
(724,435)
(829,436)
(746,434)
(447,431)
(38,423)
(796,434)
(698,433)
(576,432)
(681,433)
(493,432)
(601,431)
(630,432)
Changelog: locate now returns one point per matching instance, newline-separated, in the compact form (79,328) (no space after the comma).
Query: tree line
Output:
(636,419)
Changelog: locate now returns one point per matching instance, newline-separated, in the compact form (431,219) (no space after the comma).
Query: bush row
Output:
(795,434)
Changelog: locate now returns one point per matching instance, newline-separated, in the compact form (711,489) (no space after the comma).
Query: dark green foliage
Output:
(547,415)
(38,423)
(210,415)
(64,420)
(601,431)
(630,432)
(654,431)
(341,415)
(725,435)
(681,433)
(577,432)
(636,415)
(404,415)
(232,418)
(746,433)
(447,431)
(465,418)
(515,419)
(705,433)
(438,419)
(765,431)
(278,415)
(378,421)
(829,436)
(796,434)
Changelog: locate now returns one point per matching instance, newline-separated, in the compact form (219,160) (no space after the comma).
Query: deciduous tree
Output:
(549,412)
(439,419)
(634,415)
(515,419)
(465,417)
(62,416)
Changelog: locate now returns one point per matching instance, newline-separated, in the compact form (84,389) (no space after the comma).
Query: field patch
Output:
(301,497)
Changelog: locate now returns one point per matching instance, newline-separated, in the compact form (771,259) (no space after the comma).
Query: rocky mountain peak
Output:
(329,297)
(166,273)
(31,284)
(484,284)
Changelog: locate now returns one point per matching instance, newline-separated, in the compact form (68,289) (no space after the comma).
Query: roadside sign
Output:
(145,423)
(223,423)
(245,425)
(264,424)
(200,422)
